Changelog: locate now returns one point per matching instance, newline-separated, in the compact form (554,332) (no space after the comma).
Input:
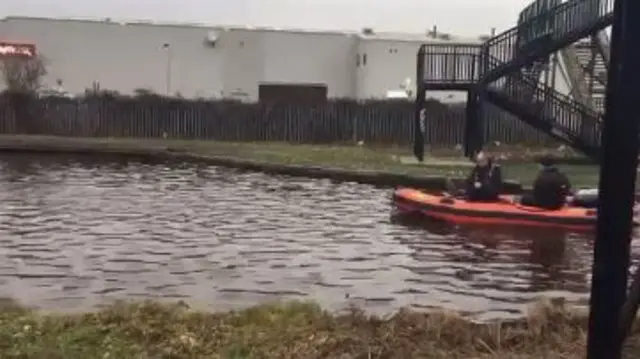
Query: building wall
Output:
(243,63)
(122,57)
(252,57)
(388,63)
(311,58)
(129,56)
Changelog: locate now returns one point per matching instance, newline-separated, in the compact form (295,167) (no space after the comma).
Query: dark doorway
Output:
(311,94)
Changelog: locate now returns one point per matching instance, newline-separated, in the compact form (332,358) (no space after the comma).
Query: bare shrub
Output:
(22,77)
(23,74)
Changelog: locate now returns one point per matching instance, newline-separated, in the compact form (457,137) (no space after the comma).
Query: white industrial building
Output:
(214,62)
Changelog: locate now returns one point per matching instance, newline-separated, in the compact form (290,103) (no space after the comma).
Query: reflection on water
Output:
(75,234)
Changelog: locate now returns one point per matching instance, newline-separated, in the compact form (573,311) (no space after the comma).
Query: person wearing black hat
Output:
(550,188)
(485,180)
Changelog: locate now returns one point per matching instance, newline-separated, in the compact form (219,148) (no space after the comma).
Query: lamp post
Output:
(167,48)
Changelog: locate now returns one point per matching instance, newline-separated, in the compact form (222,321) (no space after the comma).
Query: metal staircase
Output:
(506,71)
(604,48)
(557,28)
(531,74)
(506,86)
(550,111)
(575,74)
(526,35)
(593,69)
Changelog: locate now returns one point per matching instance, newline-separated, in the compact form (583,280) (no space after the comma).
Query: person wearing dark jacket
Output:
(550,188)
(485,180)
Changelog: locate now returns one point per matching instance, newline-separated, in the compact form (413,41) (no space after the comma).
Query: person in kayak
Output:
(550,188)
(485,180)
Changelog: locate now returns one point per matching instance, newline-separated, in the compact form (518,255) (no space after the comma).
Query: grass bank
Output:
(287,330)
(518,164)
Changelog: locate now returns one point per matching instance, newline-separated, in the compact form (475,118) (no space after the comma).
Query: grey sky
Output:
(461,17)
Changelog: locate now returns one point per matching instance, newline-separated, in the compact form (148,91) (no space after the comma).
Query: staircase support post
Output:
(617,185)
(420,115)
(479,134)
(603,47)
(480,98)
(630,308)
(547,73)
(591,67)
(471,124)
(554,69)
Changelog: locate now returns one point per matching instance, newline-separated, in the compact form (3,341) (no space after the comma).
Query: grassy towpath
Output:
(446,162)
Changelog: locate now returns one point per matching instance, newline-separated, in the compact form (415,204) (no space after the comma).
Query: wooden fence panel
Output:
(375,122)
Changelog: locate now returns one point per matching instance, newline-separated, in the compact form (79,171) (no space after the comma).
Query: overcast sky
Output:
(461,17)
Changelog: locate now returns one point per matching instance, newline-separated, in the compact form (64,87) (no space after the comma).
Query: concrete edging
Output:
(377,178)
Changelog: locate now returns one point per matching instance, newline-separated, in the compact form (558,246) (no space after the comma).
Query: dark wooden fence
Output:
(379,122)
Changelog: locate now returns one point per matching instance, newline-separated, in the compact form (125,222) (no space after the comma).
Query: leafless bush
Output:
(22,77)
(23,74)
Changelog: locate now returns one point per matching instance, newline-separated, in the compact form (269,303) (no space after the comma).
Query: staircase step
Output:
(548,32)
(509,65)
(508,87)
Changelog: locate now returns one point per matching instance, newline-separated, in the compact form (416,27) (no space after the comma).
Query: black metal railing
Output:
(550,111)
(450,64)
(508,66)
(554,29)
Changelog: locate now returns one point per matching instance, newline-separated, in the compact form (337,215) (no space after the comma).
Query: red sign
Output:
(17,49)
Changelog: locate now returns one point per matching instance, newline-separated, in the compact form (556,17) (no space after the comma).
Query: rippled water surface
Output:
(76,234)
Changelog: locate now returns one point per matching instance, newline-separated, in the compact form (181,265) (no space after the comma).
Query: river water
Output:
(76,234)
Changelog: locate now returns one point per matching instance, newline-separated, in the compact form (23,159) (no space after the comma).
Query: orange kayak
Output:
(505,212)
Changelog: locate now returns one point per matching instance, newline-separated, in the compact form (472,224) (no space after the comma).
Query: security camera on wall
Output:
(212,38)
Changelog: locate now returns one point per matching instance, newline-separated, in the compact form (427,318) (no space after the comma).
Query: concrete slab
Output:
(432,161)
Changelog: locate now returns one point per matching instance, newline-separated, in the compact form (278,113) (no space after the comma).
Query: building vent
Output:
(433,32)
(368,31)
(212,38)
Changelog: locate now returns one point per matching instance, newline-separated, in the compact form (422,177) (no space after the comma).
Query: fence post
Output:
(354,122)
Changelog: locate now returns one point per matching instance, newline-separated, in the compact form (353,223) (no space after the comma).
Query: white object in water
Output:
(587,192)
